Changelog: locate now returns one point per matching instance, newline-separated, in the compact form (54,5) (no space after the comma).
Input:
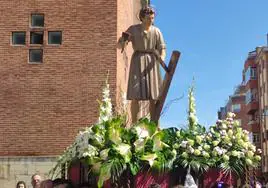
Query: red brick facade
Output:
(42,106)
(246,96)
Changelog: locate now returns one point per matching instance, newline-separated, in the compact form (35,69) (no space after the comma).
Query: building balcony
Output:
(254,126)
(251,84)
(252,107)
(249,62)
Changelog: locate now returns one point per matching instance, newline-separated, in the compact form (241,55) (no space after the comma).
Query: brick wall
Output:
(127,12)
(42,106)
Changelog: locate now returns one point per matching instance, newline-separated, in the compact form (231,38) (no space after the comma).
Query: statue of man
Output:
(144,81)
(189,180)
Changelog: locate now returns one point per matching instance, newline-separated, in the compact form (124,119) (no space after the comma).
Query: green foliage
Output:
(113,130)
(230,146)
(109,148)
(111,169)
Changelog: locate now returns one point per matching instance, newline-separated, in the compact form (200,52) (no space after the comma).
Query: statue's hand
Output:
(126,36)
(121,44)
(163,55)
(162,58)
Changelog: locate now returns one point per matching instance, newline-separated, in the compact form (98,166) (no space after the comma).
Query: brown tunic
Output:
(145,81)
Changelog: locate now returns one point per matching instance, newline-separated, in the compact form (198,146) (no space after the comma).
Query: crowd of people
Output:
(37,182)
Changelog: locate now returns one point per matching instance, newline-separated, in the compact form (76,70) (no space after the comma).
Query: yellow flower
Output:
(226,139)
(214,153)
(238,135)
(176,146)
(215,142)
(245,145)
(258,158)
(197,152)
(206,147)
(250,154)
(230,115)
(249,162)
(235,153)
(205,154)
(225,157)
(230,133)
(218,135)
(184,154)
(198,139)
(190,142)
(245,137)
(223,126)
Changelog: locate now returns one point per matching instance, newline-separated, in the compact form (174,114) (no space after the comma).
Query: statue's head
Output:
(146,12)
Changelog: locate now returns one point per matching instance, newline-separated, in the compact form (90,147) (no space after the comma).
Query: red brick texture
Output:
(42,106)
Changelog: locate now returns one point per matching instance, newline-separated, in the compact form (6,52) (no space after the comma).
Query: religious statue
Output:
(189,180)
(144,83)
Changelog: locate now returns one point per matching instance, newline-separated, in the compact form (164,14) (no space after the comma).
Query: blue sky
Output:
(214,38)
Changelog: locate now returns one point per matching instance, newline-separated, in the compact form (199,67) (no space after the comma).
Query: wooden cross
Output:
(166,84)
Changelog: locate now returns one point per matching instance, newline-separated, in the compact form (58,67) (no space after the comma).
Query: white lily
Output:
(124,150)
(150,158)
(142,133)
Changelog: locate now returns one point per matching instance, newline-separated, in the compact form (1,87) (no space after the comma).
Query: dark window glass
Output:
(35,55)
(36,38)
(54,37)
(251,74)
(37,20)
(18,38)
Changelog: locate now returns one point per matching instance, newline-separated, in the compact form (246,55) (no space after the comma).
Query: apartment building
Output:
(262,68)
(252,98)
(236,104)
(245,103)
(54,57)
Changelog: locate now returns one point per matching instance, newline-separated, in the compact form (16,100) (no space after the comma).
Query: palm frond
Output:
(196,164)
(169,135)
(111,169)
(236,166)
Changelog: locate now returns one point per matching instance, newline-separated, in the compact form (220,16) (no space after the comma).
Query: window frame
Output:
(33,32)
(31,20)
(35,62)
(256,138)
(235,110)
(250,73)
(48,36)
(12,38)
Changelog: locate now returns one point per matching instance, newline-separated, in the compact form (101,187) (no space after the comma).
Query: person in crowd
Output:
(258,185)
(62,183)
(46,184)
(36,180)
(21,184)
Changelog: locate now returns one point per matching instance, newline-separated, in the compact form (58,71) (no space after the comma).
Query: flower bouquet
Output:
(143,154)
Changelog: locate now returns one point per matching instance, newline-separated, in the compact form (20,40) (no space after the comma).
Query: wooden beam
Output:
(166,84)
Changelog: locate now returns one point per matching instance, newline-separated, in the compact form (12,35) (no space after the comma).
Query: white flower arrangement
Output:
(105,105)
(109,145)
